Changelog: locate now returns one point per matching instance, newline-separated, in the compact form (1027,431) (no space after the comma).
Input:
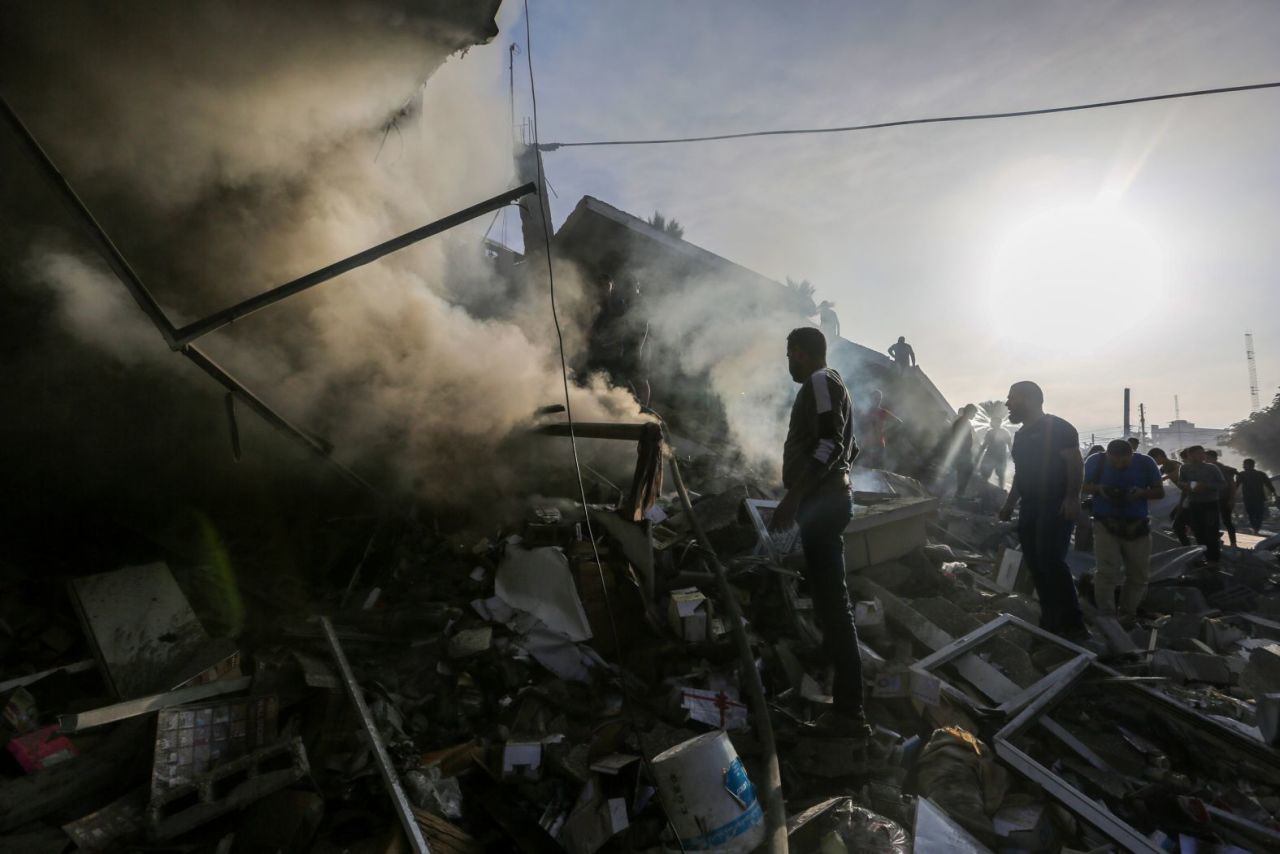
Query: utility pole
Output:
(1254,403)
(1128,428)
(1177,418)
(1142,423)
(511,78)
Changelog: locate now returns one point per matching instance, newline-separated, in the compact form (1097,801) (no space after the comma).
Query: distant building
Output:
(1180,433)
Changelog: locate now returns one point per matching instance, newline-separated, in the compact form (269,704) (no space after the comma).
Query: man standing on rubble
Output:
(1227,499)
(1047,473)
(995,453)
(815,472)
(1253,484)
(1202,485)
(1120,483)
(903,354)
(960,447)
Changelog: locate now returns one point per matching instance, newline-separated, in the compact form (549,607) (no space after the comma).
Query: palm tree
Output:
(669,226)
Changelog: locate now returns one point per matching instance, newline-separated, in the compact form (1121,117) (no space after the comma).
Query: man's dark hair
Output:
(1134,442)
(809,339)
(1033,391)
(1211,453)
(1250,462)
(1157,452)
(1191,449)
(1119,448)
(1094,449)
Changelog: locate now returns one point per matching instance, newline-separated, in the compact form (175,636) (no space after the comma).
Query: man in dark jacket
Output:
(815,472)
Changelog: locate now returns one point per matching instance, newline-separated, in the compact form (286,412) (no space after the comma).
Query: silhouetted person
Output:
(1181,517)
(1254,485)
(1227,499)
(1134,442)
(903,356)
(1202,486)
(828,322)
(1047,472)
(815,472)
(876,447)
(995,453)
(1169,470)
(960,448)
(1119,483)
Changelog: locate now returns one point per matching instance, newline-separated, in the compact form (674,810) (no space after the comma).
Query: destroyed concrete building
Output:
(209,641)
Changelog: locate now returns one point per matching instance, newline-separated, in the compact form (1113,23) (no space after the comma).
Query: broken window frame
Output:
(1093,812)
(1009,705)
(1077,801)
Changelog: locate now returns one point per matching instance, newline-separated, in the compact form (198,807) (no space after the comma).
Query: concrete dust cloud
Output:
(241,145)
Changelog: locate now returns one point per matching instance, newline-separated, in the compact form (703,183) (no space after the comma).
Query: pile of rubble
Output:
(577,683)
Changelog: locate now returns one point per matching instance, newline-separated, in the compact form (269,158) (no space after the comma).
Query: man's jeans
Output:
(1256,512)
(1045,538)
(1203,516)
(1121,563)
(822,519)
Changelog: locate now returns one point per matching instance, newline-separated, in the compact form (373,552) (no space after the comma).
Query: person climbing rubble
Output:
(816,456)
(903,354)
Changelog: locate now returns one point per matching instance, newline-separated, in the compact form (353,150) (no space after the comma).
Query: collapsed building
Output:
(209,643)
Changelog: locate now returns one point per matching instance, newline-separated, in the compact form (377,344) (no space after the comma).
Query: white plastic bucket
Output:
(708,796)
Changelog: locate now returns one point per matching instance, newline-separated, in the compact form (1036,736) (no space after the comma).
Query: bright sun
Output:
(1056,273)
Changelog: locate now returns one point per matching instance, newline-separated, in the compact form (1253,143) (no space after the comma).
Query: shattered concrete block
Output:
(1262,676)
(1191,667)
(1175,600)
(1180,627)
(1221,635)
(1269,718)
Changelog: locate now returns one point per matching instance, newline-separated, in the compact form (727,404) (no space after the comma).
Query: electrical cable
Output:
(568,408)
(970,117)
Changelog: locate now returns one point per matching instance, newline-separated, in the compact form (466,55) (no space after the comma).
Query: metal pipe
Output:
(775,809)
(199,328)
(201,360)
(417,841)
(595,430)
(110,253)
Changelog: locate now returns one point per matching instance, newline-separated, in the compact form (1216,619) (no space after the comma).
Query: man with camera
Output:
(1120,482)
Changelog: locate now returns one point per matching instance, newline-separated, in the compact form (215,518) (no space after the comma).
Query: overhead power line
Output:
(971,117)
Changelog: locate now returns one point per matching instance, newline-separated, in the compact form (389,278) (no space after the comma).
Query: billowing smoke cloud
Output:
(229,146)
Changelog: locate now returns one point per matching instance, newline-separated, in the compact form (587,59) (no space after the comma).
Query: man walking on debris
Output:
(903,356)
(961,447)
(995,453)
(1202,485)
(1252,485)
(815,471)
(1120,483)
(1227,500)
(1047,472)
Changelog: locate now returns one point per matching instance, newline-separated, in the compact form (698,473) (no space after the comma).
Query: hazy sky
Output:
(1089,251)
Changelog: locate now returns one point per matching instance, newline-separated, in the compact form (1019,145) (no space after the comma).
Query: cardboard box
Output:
(689,614)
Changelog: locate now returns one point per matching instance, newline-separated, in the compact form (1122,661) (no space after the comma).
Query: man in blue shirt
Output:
(1120,483)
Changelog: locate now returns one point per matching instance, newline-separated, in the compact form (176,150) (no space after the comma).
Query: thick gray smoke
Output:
(229,146)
